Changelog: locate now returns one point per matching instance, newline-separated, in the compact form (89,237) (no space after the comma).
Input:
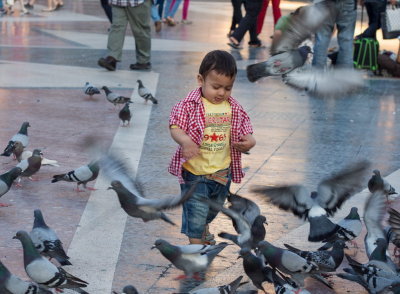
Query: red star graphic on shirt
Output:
(214,137)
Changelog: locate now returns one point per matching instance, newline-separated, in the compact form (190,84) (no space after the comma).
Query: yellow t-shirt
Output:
(215,147)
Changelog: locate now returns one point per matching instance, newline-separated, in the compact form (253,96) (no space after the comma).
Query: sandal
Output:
(170,21)
(233,44)
(208,238)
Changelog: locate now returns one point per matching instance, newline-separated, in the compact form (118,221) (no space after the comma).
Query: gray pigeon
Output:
(288,262)
(225,289)
(10,283)
(131,199)
(278,64)
(21,136)
(145,93)
(43,272)
(349,228)
(378,183)
(316,206)
(327,261)
(129,289)
(81,175)
(115,98)
(46,240)
(380,254)
(90,90)
(21,154)
(394,231)
(125,114)
(6,181)
(31,165)
(374,212)
(247,208)
(192,259)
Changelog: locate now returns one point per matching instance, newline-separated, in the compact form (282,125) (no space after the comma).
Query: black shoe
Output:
(28,6)
(140,66)
(108,63)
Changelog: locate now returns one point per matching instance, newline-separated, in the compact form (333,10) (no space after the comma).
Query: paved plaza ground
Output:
(46,58)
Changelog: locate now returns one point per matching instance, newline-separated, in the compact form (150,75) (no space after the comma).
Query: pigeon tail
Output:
(321,228)
(257,71)
(165,218)
(57,178)
(9,149)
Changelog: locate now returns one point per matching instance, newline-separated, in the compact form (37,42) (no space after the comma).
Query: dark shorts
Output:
(196,214)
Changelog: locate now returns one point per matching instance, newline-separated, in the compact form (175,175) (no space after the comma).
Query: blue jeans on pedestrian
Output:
(171,12)
(155,16)
(197,214)
(343,13)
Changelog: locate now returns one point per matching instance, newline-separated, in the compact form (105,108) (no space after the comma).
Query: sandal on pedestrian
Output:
(233,43)
(170,21)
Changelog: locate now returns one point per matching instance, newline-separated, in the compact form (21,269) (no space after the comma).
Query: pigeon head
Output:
(129,290)
(159,244)
(353,214)
(140,83)
(106,90)
(116,185)
(260,219)
(314,194)
(14,173)
(21,235)
(37,152)
(39,221)
(24,128)
(381,242)
(377,172)
(244,252)
(263,245)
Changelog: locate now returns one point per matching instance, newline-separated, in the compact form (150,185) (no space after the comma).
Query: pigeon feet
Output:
(59,290)
(197,277)
(91,189)
(181,277)
(5,205)
(33,179)
(79,190)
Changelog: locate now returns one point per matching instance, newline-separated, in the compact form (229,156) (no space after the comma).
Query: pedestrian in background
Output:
(236,16)
(261,16)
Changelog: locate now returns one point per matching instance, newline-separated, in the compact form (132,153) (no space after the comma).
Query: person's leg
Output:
(252,9)
(160,4)
(323,37)
(261,16)
(185,9)
(139,20)
(254,40)
(276,10)
(116,36)
(167,7)
(174,8)
(107,9)
(346,22)
(154,13)
(237,14)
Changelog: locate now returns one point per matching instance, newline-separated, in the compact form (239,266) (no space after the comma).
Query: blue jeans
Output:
(155,16)
(343,13)
(171,12)
(196,214)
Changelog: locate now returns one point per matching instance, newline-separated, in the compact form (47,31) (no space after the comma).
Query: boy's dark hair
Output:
(220,61)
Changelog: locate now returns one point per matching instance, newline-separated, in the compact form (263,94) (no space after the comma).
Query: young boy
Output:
(212,131)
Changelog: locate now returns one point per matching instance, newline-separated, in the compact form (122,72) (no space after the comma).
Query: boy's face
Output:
(216,88)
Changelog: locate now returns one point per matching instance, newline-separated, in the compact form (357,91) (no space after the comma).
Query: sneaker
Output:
(140,66)
(185,21)
(108,63)
(158,26)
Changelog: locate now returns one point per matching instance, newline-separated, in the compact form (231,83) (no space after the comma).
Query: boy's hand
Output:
(245,144)
(190,150)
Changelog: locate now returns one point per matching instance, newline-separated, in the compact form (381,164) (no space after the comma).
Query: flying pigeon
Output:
(394,222)
(114,98)
(316,206)
(349,228)
(131,199)
(31,165)
(21,154)
(10,283)
(90,90)
(145,93)
(81,175)
(129,289)
(46,240)
(225,289)
(43,272)
(21,136)
(247,208)
(6,181)
(278,64)
(374,212)
(255,269)
(192,259)
(378,183)
(327,261)
(125,114)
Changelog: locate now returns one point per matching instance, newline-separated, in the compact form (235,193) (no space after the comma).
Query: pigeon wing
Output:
(374,212)
(333,191)
(295,198)
(194,248)
(394,221)
(24,164)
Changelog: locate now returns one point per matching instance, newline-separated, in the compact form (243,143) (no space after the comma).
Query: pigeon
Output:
(374,212)
(378,183)
(286,286)
(255,269)
(32,164)
(129,289)
(131,199)
(288,262)
(327,261)
(43,272)
(21,154)
(324,83)
(330,195)
(247,208)
(81,175)
(394,221)
(46,240)
(192,259)
(349,228)
(6,181)
(379,254)
(125,114)
(145,93)
(114,98)
(21,136)
(278,64)
(225,289)
(12,284)
(90,90)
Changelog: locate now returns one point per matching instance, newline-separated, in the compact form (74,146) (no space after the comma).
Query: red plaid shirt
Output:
(189,115)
